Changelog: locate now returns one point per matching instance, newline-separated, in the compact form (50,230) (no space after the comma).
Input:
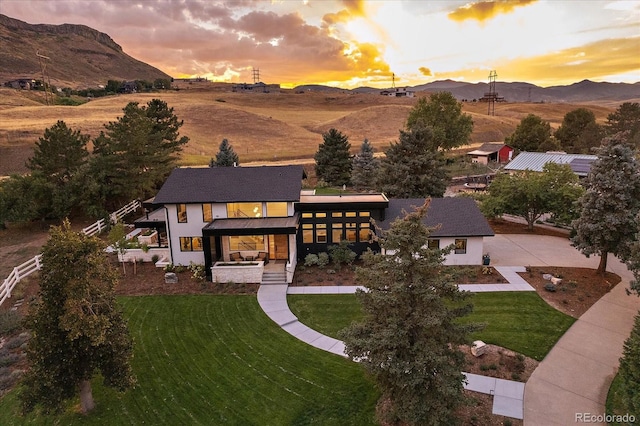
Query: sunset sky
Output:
(352,43)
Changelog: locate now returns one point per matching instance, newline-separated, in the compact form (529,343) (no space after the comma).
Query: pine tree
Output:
(626,118)
(226,156)
(333,161)
(412,167)
(365,167)
(76,327)
(609,207)
(630,372)
(409,337)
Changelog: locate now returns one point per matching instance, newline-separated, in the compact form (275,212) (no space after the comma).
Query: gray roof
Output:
(457,216)
(535,161)
(487,148)
(231,184)
(581,166)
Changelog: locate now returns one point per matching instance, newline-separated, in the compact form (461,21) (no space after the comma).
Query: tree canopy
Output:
(442,113)
(610,205)
(408,339)
(626,118)
(226,156)
(333,160)
(533,134)
(579,133)
(76,327)
(530,194)
(412,168)
(629,371)
(365,167)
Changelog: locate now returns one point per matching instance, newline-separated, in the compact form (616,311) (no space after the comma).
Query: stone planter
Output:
(237,272)
(148,239)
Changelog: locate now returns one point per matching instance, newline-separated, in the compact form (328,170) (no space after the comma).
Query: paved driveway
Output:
(575,376)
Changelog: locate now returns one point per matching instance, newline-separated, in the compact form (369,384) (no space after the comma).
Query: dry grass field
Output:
(260,126)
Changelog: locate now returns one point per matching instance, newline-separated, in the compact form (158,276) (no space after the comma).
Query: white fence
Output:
(35,264)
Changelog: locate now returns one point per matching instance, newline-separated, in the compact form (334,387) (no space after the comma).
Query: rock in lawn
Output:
(478,348)
(170,278)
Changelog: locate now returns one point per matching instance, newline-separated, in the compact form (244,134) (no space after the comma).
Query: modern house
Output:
(398,92)
(491,152)
(238,220)
(535,161)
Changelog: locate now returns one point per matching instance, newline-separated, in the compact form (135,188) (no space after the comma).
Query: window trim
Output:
(190,245)
(462,242)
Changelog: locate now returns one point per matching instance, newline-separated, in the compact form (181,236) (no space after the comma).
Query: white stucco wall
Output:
(192,228)
(473,256)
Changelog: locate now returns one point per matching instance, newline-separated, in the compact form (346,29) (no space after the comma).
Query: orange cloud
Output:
(594,61)
(355,7)
(425,71)
(484,10)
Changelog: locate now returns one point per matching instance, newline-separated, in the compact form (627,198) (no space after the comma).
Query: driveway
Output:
(575,376)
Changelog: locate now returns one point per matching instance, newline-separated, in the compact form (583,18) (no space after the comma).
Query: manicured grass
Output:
(219,360)
(520,321)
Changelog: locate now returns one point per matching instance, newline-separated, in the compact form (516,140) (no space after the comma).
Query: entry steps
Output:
(274,278)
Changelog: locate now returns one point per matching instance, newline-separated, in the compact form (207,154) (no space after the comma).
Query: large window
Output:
(321,233)
(246,242)
(190,243)
(240,210)
(336,232)
(460,246)
(307,233)
(433,244)
(207,214)
(277,210)
(350,232)
(182,213)
(365,232)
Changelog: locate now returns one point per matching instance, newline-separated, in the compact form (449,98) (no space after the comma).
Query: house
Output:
(241,221)
(535,161)
(398,92)
(454,221)
(491,152)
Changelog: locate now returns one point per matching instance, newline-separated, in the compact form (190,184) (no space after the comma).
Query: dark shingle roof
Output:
(458,216)
(231,184)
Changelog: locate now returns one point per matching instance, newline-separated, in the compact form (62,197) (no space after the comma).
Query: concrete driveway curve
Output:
(571,383)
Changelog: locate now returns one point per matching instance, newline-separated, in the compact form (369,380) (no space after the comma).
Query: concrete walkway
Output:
(576,374)
(508,395)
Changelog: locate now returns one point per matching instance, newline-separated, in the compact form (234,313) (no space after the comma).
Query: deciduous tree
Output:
(409,337)
(533,134)
(365,168)
(579,132)
(412,168)
(530,194)
(442,113)
(76,327)
(608,222)
(333,160)
(226,156)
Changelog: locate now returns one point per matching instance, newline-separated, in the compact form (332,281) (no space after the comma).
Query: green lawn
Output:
(219,360)
(520,321)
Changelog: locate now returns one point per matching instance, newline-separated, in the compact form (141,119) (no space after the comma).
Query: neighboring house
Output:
(491,152)
(22,83)
(258,87)
(535,161)
(399,92)
(260,215)
(454,221)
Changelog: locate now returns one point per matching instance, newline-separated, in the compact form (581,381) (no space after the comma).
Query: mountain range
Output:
(84,57)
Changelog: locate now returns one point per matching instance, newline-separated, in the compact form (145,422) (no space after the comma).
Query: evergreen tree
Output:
(607,222)
(333,161)
(442,113)
(408,339)
(226,156)
(533,134)
(629,371)
(579,132)
(412,167)
(76,327)
(365,167)
(134,154)
(626,118)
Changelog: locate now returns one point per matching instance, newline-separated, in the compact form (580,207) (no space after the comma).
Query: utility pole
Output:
(46,82)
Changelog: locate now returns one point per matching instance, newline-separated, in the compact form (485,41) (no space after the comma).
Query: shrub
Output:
(311,260)
(323,259)
(145,248)
(629,372)
(10,321)
(341,254)
(17,341)
(550,287)
(170,268)
(197,271)
(155,258)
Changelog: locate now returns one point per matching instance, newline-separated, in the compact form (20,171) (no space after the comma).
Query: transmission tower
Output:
(492,95)
(256,75)
(46,82)
(393,80)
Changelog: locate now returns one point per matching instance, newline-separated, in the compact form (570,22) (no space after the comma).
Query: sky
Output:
(352,43)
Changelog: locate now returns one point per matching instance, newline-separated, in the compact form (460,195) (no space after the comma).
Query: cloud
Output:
(425,71)
(484,10)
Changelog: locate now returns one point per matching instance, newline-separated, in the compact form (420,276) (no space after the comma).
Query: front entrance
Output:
(279,247)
